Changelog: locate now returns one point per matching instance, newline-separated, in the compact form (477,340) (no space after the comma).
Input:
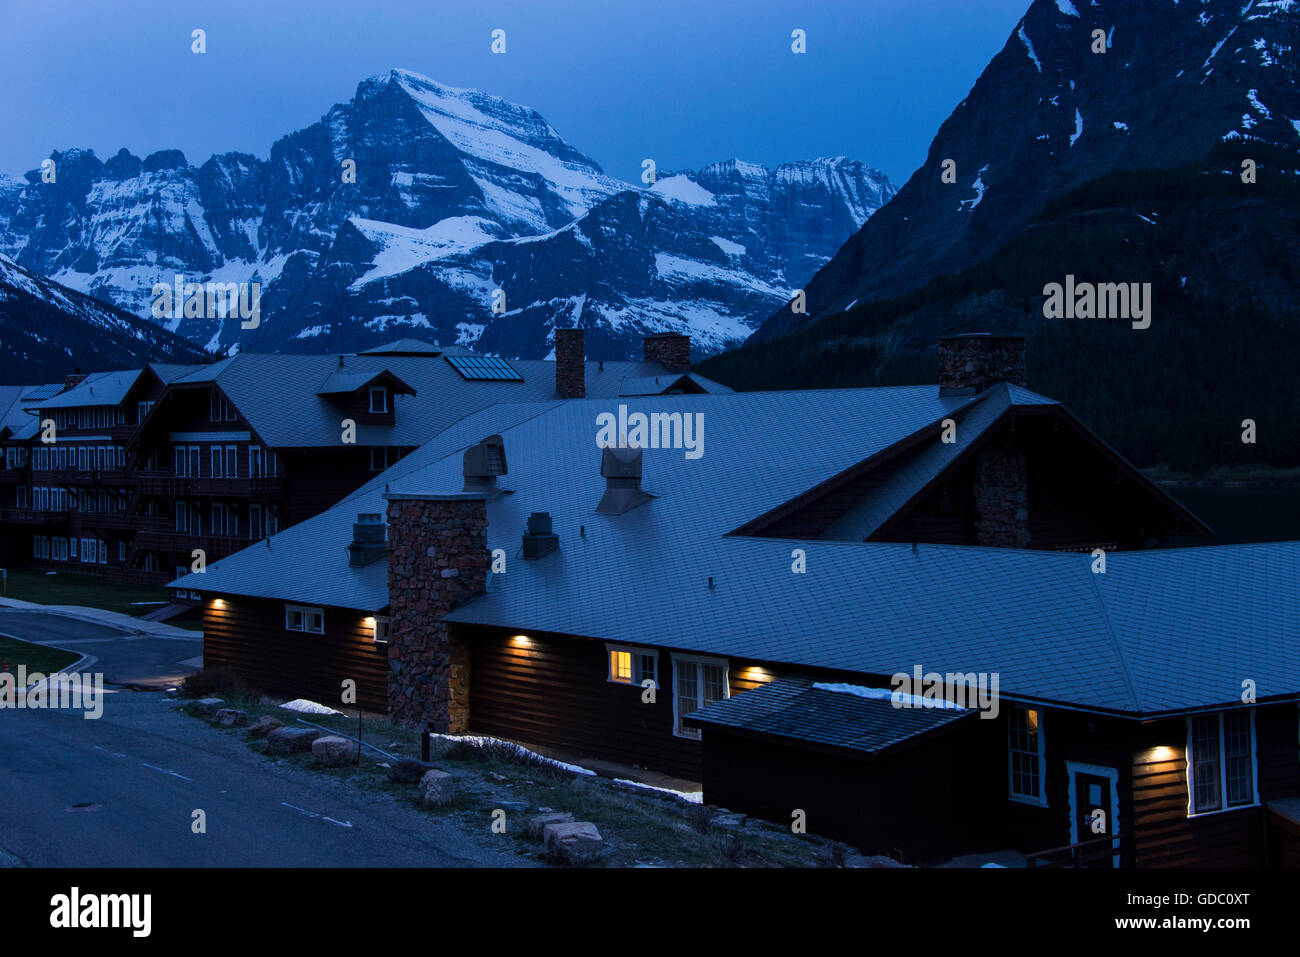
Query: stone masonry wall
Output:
(1001,493)
(979,361)
(570,371)
(437,559)
(671,349)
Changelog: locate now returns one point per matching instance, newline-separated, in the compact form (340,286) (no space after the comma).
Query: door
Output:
(1095,816)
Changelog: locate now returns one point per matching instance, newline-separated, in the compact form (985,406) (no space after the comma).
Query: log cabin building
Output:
(744,617)
(139,472)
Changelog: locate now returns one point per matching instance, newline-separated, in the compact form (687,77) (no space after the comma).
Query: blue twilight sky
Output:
(688,82)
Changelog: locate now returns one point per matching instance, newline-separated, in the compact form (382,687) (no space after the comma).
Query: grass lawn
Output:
(36,657)
(70,588)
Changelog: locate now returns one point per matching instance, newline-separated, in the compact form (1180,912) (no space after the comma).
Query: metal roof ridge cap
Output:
(1115,643)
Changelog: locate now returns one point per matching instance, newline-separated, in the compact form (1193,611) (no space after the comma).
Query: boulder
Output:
(286,740)
(408,771)
(334,752)
(575,843)
(264,726)
(436,788)
(230,717)
(209,705)
(538,823)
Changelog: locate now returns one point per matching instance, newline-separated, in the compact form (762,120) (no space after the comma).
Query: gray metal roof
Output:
(278,394)
(405,347)
(794,707)
(1049,627)
(14,415)
(659,384)
(98,388)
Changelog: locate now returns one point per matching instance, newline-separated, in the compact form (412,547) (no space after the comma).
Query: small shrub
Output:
(215,682)
(730,849)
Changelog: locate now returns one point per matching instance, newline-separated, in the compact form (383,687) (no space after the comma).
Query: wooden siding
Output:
(1164,834)
(554,691)
(923,805)
(248,636)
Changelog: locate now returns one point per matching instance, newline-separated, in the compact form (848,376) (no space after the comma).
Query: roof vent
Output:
(483,463)
(369,540)
(539,539)
(622,471)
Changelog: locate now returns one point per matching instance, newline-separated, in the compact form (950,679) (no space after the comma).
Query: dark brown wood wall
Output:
(248,636)
(554,691)
(1166,837)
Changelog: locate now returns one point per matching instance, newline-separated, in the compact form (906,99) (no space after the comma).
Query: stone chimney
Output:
(570,368)
(971,363)
(73,379)
(670,349)
(437,560)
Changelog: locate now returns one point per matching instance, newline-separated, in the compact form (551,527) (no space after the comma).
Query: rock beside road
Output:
(575,843)
(231,717)
(209,706)
(537,825)
(287,740)
(408,771)
(334,751)
(264,726)
(436,788)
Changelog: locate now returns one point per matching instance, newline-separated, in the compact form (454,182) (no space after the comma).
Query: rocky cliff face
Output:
(1175,81)
(46,330)
(403,211)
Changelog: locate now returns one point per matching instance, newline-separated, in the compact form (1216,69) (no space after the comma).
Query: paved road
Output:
(123,658)
(121,790)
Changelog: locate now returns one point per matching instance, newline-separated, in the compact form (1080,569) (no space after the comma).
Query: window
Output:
(142,410)
(273,520)
(103,553)
(72,548)
(121,551)
(381,630)
(632,666)
(1221,761)
(22,496)
(381,459)
(81,459)
(255,522)
(218,462)
(379,400)
(232,462)
(182,515)
(254,461)
(697,682)
(304,618)
(1027,764)
(219,409)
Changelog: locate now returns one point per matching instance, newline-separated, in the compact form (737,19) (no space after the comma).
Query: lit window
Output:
(1221,761)
(379,400)
(380,630)
(697,683)
(632,666)
(1027,756)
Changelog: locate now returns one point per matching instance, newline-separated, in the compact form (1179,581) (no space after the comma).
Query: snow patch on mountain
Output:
(683,189)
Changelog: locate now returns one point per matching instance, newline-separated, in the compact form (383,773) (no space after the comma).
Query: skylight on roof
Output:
(486,368)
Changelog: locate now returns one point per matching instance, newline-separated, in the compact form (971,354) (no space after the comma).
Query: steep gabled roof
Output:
(1051,629)
(98,388)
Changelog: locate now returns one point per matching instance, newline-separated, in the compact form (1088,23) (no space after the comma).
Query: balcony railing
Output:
(179,486)
(32,516)
(113,476)
(214,546)
(13,476)
(1098,852)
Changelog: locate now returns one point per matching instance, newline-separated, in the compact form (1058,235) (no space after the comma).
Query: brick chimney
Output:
(437,560)
(971,363)
(670,349)
(570,368)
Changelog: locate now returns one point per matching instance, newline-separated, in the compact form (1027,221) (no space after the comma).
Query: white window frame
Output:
(699,661)
(305,613)
(1224,807)
(638,654)
(1041,737)
(382,392)
(382,623)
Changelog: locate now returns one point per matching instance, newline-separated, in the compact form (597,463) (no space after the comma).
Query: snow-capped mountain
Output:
(1081,88)
(47,329)
(404,210)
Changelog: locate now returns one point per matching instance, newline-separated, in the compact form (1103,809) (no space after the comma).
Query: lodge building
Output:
(133,474)
(767,592)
